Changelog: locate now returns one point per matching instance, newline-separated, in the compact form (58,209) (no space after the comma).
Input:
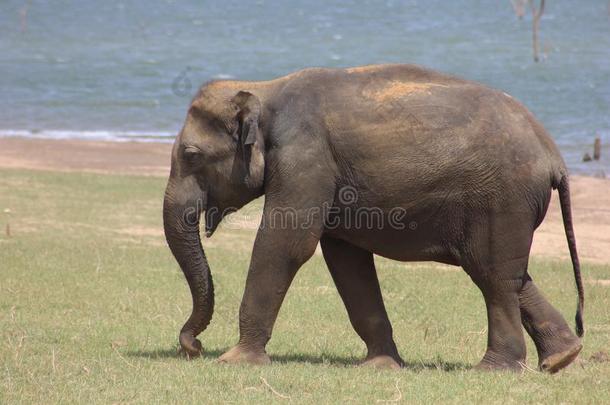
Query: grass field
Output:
(91,302)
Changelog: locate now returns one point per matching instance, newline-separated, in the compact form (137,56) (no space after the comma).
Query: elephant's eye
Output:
(191,154)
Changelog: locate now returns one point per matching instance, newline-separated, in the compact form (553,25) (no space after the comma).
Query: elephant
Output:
(451,171)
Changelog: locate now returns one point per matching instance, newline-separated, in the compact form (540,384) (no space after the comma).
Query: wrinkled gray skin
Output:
(469,168)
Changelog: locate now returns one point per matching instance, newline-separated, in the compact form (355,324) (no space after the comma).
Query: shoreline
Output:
(590,195)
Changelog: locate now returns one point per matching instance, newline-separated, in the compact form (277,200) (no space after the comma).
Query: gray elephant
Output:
(450,170)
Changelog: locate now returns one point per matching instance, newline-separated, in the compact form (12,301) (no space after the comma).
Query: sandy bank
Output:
(151,159)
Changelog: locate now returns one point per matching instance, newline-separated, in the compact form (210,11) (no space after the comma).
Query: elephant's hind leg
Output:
(496,257)
(354,274)
(505,342)
(556,344)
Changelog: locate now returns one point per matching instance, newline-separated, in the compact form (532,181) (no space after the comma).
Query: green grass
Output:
(91,302)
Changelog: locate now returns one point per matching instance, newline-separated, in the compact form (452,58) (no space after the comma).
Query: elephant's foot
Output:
(554,362)
(241,355)
(383,355)
(557,346)
(383,361)
(496,362)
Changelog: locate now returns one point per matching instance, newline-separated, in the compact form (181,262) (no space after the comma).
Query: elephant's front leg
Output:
(279,251)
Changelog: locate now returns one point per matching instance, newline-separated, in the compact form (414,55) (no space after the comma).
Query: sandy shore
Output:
(150,159)
(590,196)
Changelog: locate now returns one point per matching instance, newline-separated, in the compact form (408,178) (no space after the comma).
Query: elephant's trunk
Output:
(182,207)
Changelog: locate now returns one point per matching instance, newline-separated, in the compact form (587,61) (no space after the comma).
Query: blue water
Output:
(127,70)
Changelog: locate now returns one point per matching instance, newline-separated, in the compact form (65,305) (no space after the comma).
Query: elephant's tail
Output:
(566,212)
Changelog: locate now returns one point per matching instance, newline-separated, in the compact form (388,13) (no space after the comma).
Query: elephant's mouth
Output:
(214,213)
(212,221)
(212,216)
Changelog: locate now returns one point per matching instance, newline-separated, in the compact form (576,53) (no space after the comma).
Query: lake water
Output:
(127,70)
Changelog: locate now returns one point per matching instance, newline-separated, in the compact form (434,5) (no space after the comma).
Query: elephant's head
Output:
(217,167)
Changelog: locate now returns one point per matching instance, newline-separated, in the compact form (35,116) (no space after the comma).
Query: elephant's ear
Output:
(251,142)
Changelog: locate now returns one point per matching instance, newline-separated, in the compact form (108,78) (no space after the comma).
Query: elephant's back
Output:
(401,127)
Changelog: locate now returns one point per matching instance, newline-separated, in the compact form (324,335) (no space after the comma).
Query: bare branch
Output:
(536,15)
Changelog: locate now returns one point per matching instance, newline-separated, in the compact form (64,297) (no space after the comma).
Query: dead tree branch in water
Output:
(536,15)
(519,7)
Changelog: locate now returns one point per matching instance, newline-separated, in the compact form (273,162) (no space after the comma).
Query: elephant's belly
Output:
(414,242)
